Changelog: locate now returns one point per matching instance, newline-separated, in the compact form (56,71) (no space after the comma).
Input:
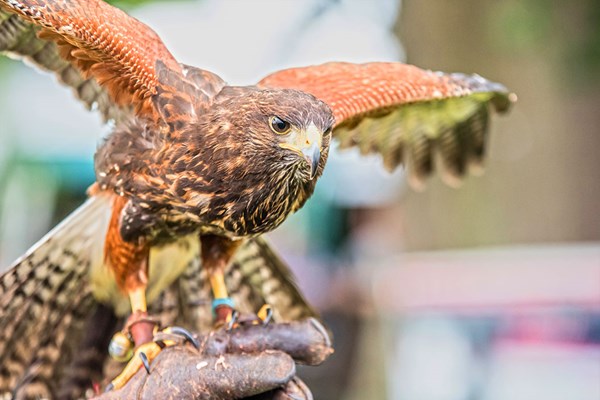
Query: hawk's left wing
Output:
(406,114)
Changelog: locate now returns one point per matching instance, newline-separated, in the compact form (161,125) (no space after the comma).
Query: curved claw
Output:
(232,320)
(177,330)
(265,314)
(143,356)
(145,362)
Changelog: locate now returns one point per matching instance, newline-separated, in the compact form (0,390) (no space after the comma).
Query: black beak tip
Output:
(314,165)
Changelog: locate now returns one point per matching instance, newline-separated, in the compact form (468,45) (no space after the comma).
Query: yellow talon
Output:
(147,352)
(151,350)
(265,313)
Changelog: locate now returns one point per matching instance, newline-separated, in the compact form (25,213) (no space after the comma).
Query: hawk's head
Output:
(284,130)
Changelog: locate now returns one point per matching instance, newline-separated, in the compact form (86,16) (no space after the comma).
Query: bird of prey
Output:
(197,170)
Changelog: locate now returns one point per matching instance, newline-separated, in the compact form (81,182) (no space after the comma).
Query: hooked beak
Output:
(312,155)
(307,143)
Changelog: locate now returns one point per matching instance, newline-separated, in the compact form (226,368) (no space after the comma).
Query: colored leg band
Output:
(224,301)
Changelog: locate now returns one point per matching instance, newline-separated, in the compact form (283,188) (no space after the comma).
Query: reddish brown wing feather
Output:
(117,50)
(406,114)
(352,90)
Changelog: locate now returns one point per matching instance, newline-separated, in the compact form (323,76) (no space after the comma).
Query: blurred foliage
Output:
(3,66)
(524,24)
(569,31)
(585,52)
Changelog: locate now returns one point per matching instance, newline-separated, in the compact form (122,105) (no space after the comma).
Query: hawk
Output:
(197,170)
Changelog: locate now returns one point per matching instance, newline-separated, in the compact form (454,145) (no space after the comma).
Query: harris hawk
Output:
(197,170)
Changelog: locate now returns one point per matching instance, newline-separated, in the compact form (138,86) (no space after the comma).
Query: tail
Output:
(257,269)
(45,301)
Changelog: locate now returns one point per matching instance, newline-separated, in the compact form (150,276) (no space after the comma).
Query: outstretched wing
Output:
(406,114)
(108,57)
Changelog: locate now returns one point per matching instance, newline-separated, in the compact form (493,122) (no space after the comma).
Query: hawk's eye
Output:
(279,126)
(327,131)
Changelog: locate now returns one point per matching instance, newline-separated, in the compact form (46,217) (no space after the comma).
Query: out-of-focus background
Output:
(488,292)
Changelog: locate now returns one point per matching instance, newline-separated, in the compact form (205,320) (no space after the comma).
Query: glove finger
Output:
(295,389)
(305,341)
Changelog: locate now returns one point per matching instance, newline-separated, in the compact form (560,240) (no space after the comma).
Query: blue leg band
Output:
(226,301)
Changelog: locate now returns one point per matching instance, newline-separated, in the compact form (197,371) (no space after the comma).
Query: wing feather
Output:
(45,298)
(404,113)
(271,279)
(108,57)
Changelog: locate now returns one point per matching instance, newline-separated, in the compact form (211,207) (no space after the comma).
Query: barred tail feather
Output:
(258,269)
(45,299)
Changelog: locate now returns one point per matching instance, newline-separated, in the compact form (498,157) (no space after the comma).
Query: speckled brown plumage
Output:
(222,171)
(211,164)
(194,159)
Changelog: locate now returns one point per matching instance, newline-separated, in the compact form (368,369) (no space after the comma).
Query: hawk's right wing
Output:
(18,38)
(106,56)
(45,300)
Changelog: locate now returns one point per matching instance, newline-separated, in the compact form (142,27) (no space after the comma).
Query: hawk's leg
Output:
(217,252)
(141,331)
(129,261)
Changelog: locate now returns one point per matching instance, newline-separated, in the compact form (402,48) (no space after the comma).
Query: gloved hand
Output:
(255,362)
